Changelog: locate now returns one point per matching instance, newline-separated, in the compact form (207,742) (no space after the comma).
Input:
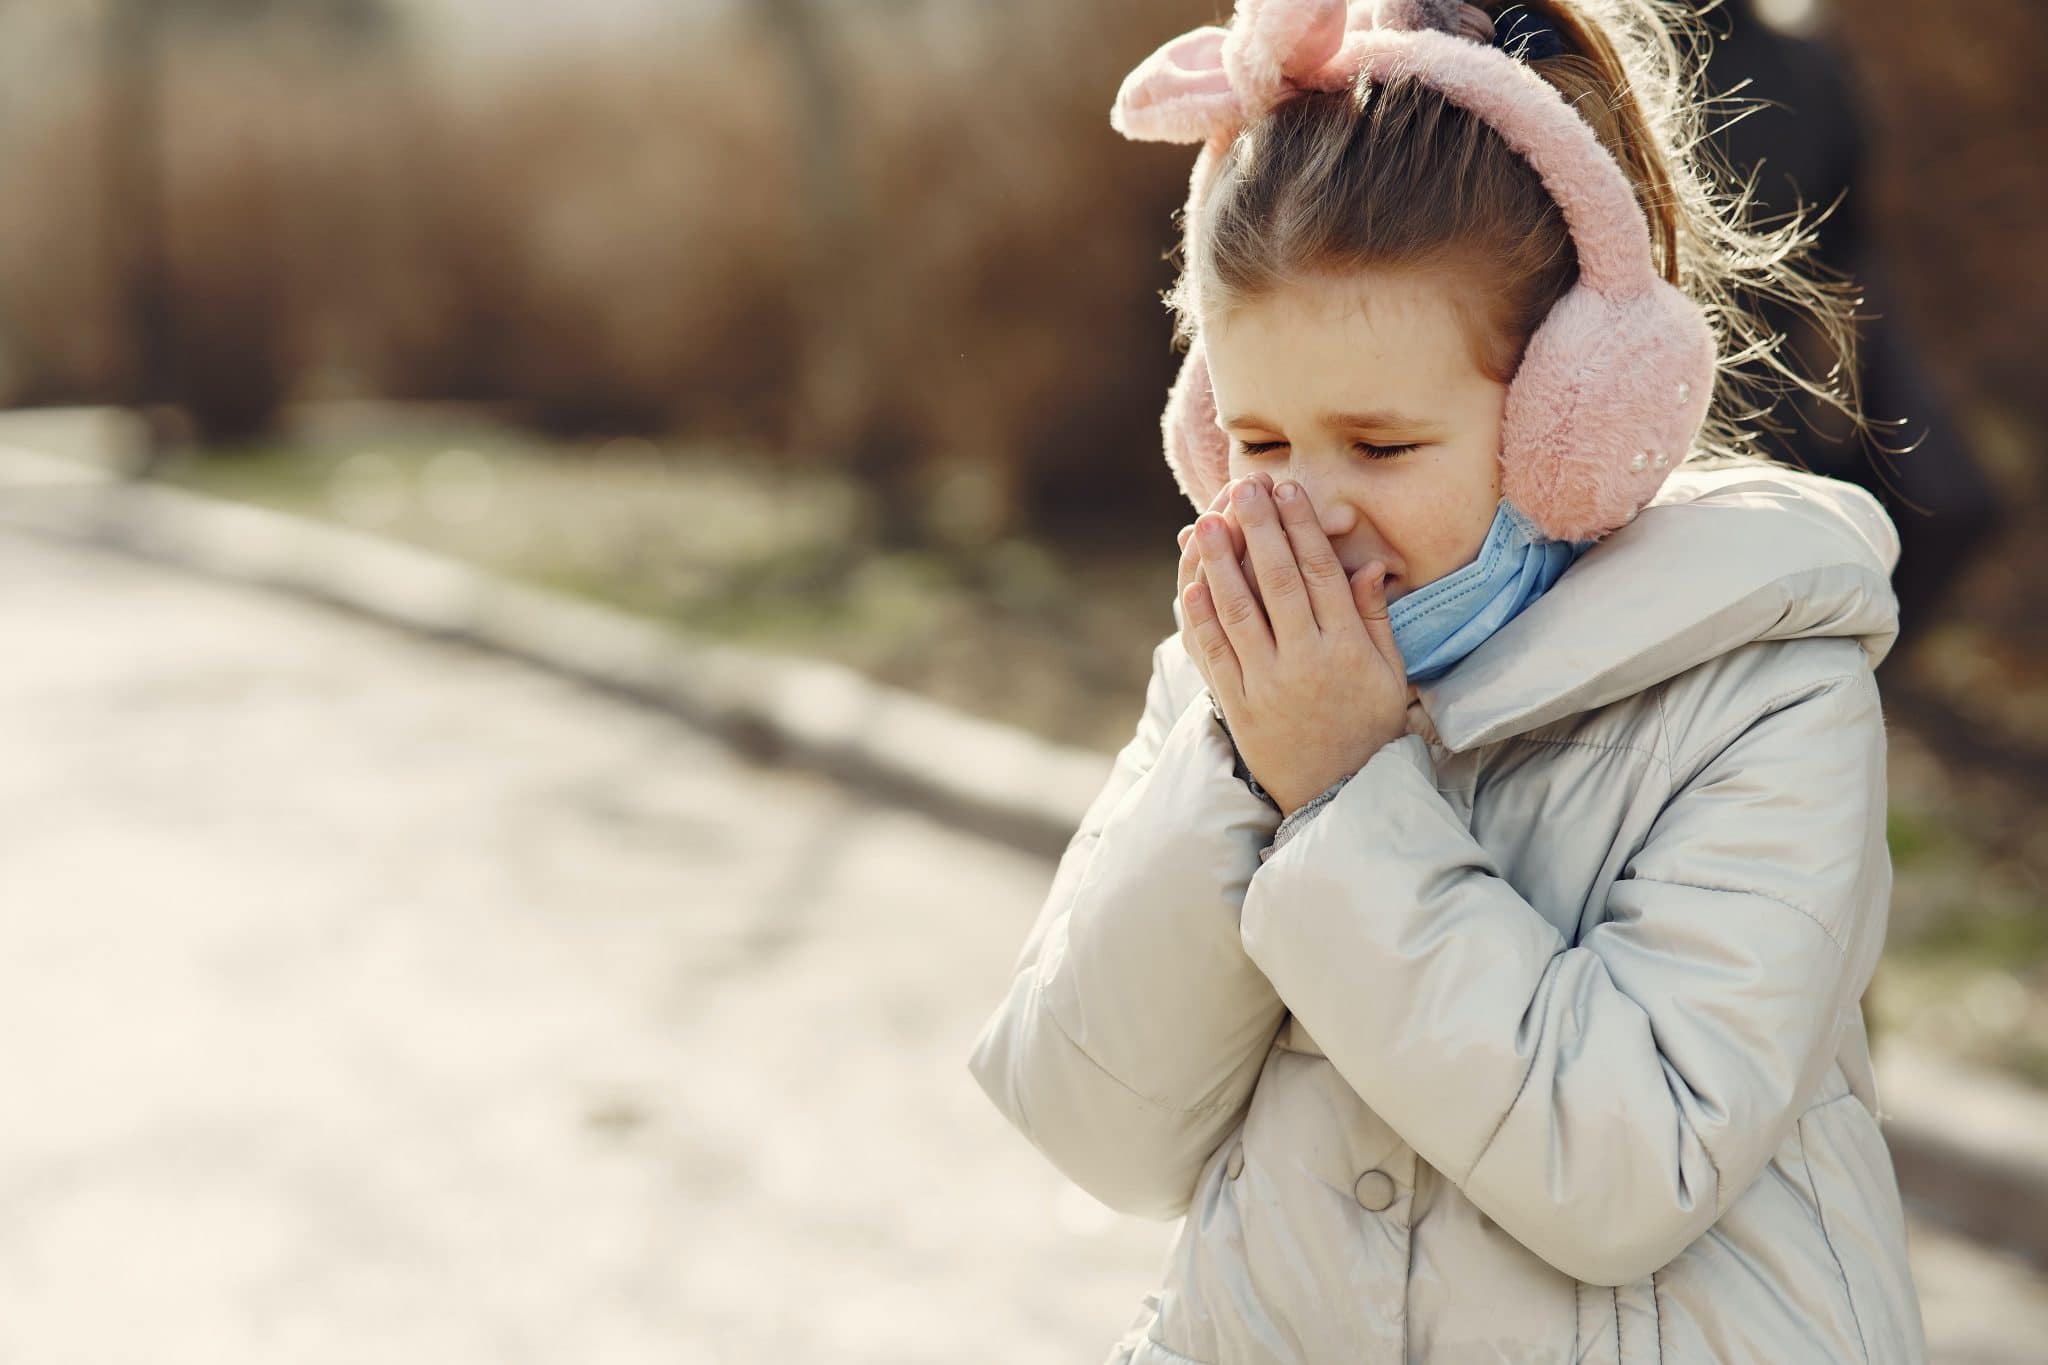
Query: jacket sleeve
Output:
(1134,1026)
(1604,1102)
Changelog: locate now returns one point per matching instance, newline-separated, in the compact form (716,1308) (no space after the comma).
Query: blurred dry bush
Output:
(1019,255)
(626,240)
(898,237)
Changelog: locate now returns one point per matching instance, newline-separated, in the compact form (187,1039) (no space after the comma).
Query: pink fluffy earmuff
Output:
(1614,385)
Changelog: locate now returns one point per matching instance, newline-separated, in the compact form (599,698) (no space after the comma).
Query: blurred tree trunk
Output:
(832,415)
(133,165)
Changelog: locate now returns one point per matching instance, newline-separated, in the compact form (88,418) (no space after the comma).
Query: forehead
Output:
(1372,340)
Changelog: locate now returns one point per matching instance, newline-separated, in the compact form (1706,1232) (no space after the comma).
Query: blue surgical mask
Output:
(1441,622)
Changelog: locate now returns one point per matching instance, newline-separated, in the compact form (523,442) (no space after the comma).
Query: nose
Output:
(1338,513)
(1342,506)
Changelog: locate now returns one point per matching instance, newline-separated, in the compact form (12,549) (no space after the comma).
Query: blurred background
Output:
(832,328)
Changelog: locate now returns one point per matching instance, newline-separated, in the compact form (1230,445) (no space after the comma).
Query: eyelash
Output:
(1371,452)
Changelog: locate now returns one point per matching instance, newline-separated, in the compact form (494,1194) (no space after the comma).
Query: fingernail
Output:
(1245,490)
(1285,492)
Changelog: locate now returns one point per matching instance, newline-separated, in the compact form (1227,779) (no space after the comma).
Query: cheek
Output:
(1437,544)
(1468,495)
(1434,528)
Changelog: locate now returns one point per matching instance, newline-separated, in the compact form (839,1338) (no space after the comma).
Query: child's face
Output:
(1376,342)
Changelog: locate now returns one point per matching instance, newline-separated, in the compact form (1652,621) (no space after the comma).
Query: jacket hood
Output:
(1721,557)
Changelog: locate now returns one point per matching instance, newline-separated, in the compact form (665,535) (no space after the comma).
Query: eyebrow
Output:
(1376,417)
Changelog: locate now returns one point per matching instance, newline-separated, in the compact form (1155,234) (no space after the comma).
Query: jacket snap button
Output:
(1374,1190)
(1236,1161)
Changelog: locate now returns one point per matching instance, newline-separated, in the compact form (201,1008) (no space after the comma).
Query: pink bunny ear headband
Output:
(1614,385)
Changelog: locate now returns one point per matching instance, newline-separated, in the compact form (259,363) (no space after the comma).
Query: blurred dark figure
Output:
(1812,145)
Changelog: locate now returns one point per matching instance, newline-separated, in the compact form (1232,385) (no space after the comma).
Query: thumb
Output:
(1368,590)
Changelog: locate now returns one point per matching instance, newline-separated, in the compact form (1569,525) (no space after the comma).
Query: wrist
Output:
(1298,801)
(1293,796)
(1326,781)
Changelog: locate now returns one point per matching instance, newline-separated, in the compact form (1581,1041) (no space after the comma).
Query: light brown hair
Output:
(1396,177)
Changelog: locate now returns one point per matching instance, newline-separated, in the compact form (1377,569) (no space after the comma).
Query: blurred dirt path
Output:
(368,999)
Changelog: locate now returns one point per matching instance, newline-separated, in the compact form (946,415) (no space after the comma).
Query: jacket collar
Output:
(1721,557)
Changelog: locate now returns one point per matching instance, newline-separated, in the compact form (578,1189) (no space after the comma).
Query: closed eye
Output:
(1371,452)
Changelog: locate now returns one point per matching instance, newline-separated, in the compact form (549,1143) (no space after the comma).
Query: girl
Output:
(1469,943)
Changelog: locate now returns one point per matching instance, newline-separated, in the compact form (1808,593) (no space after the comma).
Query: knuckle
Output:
(1320,563)
(1235,609)
(1281,581)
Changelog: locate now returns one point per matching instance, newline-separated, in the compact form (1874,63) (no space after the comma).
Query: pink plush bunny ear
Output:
(1211,79)
(1275,46)
(1180,93)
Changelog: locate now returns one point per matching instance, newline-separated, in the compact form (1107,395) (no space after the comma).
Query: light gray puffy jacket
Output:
(1540,1040)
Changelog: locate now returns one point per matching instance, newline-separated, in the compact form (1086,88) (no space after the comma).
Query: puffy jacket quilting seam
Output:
(1721,1189)
(1565,742)
(1536,1008)
(1657,1313)
(1704,753)
(1657,695)
(1038,1000)
(1832,1099)
(1820,1212)
(1751,891)
(1550,984)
